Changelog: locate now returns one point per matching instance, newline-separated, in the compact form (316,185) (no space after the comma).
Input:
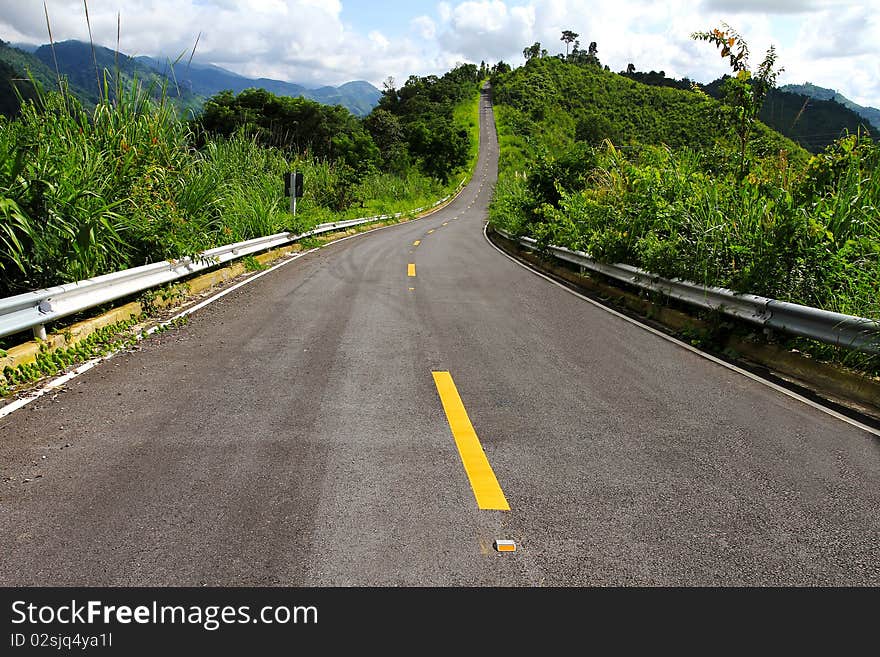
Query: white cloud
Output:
(836,34)
(379,40)
(298,40)
(769,6)
(424,27)
(839,50)
(487,30)
(829,42)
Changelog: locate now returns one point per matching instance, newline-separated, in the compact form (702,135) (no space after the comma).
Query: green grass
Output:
(467,116)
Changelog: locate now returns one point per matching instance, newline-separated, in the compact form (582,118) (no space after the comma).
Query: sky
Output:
(830,43)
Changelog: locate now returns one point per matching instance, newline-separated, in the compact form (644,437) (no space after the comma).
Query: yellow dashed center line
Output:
(411,269)
(417,242)
(430,231)
(483,482)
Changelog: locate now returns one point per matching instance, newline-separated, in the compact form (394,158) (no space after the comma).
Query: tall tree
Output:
(568,36)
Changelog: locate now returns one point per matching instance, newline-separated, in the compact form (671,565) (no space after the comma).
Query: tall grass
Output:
(86,193)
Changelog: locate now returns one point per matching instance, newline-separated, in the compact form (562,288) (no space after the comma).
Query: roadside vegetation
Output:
(83,193)
(685,186)
(91,189)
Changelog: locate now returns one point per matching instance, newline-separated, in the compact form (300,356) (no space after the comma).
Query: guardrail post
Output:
(40,331)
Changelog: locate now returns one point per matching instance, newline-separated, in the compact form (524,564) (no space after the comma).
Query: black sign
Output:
(297,183)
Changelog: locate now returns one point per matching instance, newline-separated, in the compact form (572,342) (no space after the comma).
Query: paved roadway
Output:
(293,434)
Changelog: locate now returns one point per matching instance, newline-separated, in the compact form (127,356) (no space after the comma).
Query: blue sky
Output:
(390,16)
(830,43)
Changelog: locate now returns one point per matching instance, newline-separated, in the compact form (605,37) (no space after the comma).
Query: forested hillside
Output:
(551,103)
(810,122)
(870,114)
(684,185)
(19,71)
(97,71)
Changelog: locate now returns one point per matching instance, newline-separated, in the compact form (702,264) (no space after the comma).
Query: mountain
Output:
(871,114)
(187,84)
(24,47)
(358,97)
(16,69)
(207,80)
(812,122)
(76,61)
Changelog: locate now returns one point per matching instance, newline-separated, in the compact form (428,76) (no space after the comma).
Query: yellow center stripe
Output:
(483,482)
(430,231)
(411,269)
(417,242)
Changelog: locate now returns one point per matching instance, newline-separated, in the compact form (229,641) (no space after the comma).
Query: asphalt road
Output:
(293,434)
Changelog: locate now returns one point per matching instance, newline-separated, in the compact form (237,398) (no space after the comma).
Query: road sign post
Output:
(293,187)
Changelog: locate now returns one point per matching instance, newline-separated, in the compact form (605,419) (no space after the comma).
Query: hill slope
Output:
(76,61)
(814,122)
(871,114)
(16,67)
(676,194)
(556,103)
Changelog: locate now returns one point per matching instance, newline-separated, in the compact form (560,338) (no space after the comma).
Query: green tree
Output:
(533,51)
(387,132)
(439,146)
(568,36)
(745,91)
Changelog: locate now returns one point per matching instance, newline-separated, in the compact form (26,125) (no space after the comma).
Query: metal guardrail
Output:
(848,331)
(34,310)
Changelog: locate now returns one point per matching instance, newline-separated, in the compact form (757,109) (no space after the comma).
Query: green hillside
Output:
(76,67)
(10,86)
(26,63)
(187,85)
(77,62)
(684,185)
(812,121)
(16,69)
(870,114)
(554,103)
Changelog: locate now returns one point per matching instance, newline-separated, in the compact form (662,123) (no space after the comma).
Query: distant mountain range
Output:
(811,116)
(871,114)
(358,97)
(189,84)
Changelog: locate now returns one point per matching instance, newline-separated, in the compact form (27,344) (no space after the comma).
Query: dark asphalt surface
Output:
(291,434)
